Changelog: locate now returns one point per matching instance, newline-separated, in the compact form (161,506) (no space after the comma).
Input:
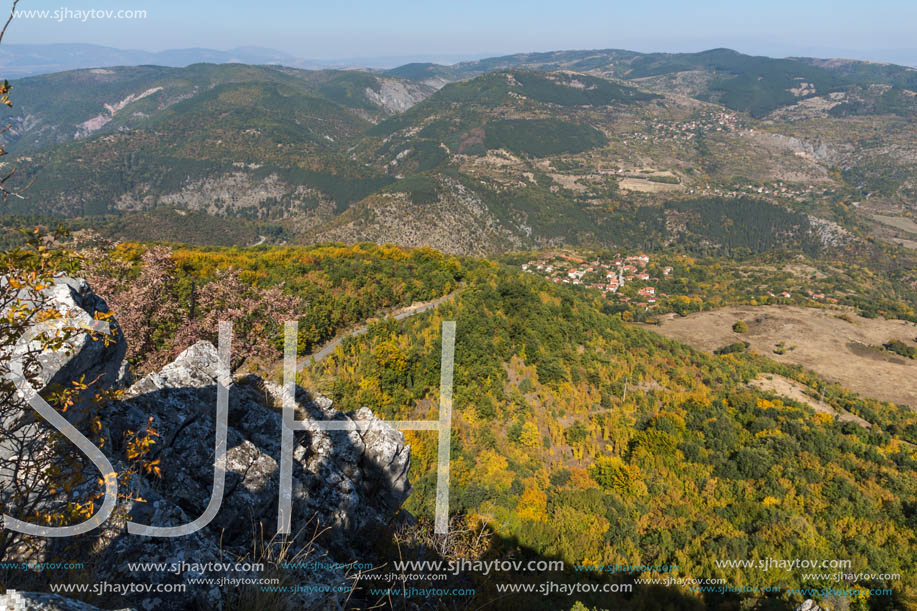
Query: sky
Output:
(881,30)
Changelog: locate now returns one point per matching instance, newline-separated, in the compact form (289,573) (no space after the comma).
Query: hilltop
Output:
(576,435)
(754,84)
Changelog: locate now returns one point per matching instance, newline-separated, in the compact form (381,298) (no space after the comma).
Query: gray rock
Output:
(343,481)
(808,605)
(87,356)
(36,601)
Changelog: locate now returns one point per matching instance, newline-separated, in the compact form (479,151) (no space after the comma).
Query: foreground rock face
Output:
(346,480)
(343,481)
(85,356)
(35,601)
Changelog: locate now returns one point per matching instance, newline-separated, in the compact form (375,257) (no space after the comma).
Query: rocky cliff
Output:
(344,482)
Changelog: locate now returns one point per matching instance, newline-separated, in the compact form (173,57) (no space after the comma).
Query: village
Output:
(607,276)
(643,277)
(656,131)
(776,190)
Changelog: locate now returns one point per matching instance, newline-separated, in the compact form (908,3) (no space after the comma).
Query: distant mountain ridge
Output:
(529,150)
(18,61)
(753,84)
(23,60)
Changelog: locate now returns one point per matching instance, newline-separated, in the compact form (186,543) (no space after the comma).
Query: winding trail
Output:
(400,314)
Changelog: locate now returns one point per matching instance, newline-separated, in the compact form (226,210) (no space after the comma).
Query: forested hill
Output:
(520,152)
(576,435)
(592,441)
(753,84)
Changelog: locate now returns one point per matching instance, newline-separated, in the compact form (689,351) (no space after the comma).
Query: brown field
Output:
(898,222)
(845,352)
(647,186)
(901,225)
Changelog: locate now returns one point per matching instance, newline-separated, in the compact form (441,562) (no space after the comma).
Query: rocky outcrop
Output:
(829,233)
(85,355)
(458,222)
(36,601)
(396,95)
(344,482)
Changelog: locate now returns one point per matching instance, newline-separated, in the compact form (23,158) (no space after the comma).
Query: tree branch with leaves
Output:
(5,88)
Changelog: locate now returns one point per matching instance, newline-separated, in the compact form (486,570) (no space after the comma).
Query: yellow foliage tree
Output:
(530,436)
(533,505)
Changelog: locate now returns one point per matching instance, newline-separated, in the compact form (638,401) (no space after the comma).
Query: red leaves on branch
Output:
(162,313)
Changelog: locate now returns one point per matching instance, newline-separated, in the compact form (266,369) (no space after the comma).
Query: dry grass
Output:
(898,222)
(272,553)
(841,351)
(647,186)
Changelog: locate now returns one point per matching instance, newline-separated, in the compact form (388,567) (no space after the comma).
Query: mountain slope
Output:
(527,158)
(753,84)
(262,142)
(596,442)
(57,108)
(228,138)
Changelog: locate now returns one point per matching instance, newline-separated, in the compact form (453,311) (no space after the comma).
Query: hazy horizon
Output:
(880,31)
(15,58)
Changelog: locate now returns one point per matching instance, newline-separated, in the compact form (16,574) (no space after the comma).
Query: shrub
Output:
(576,434)
(732,348)
(899,347)
(740,327)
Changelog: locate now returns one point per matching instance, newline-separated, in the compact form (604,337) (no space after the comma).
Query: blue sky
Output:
(874,29)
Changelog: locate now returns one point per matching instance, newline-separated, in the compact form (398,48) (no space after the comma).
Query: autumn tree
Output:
(31,473)
(36,463)
(5,87)
(148,305)
(163,312)
(257,315)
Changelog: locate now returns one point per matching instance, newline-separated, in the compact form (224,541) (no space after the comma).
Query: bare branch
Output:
(6,192)
(7,24)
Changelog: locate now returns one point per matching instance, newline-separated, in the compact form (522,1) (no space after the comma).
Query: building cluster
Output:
(607,276)
(778,189)
(658,131)
(610,274)
(813,295)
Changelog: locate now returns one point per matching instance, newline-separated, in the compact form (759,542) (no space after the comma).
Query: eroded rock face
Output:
(36,601)
(343,481)
(87,356)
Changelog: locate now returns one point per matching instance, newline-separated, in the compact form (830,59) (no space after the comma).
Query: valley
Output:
(684,287)
(507,154)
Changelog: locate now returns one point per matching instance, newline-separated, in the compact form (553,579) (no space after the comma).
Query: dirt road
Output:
(401,314)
